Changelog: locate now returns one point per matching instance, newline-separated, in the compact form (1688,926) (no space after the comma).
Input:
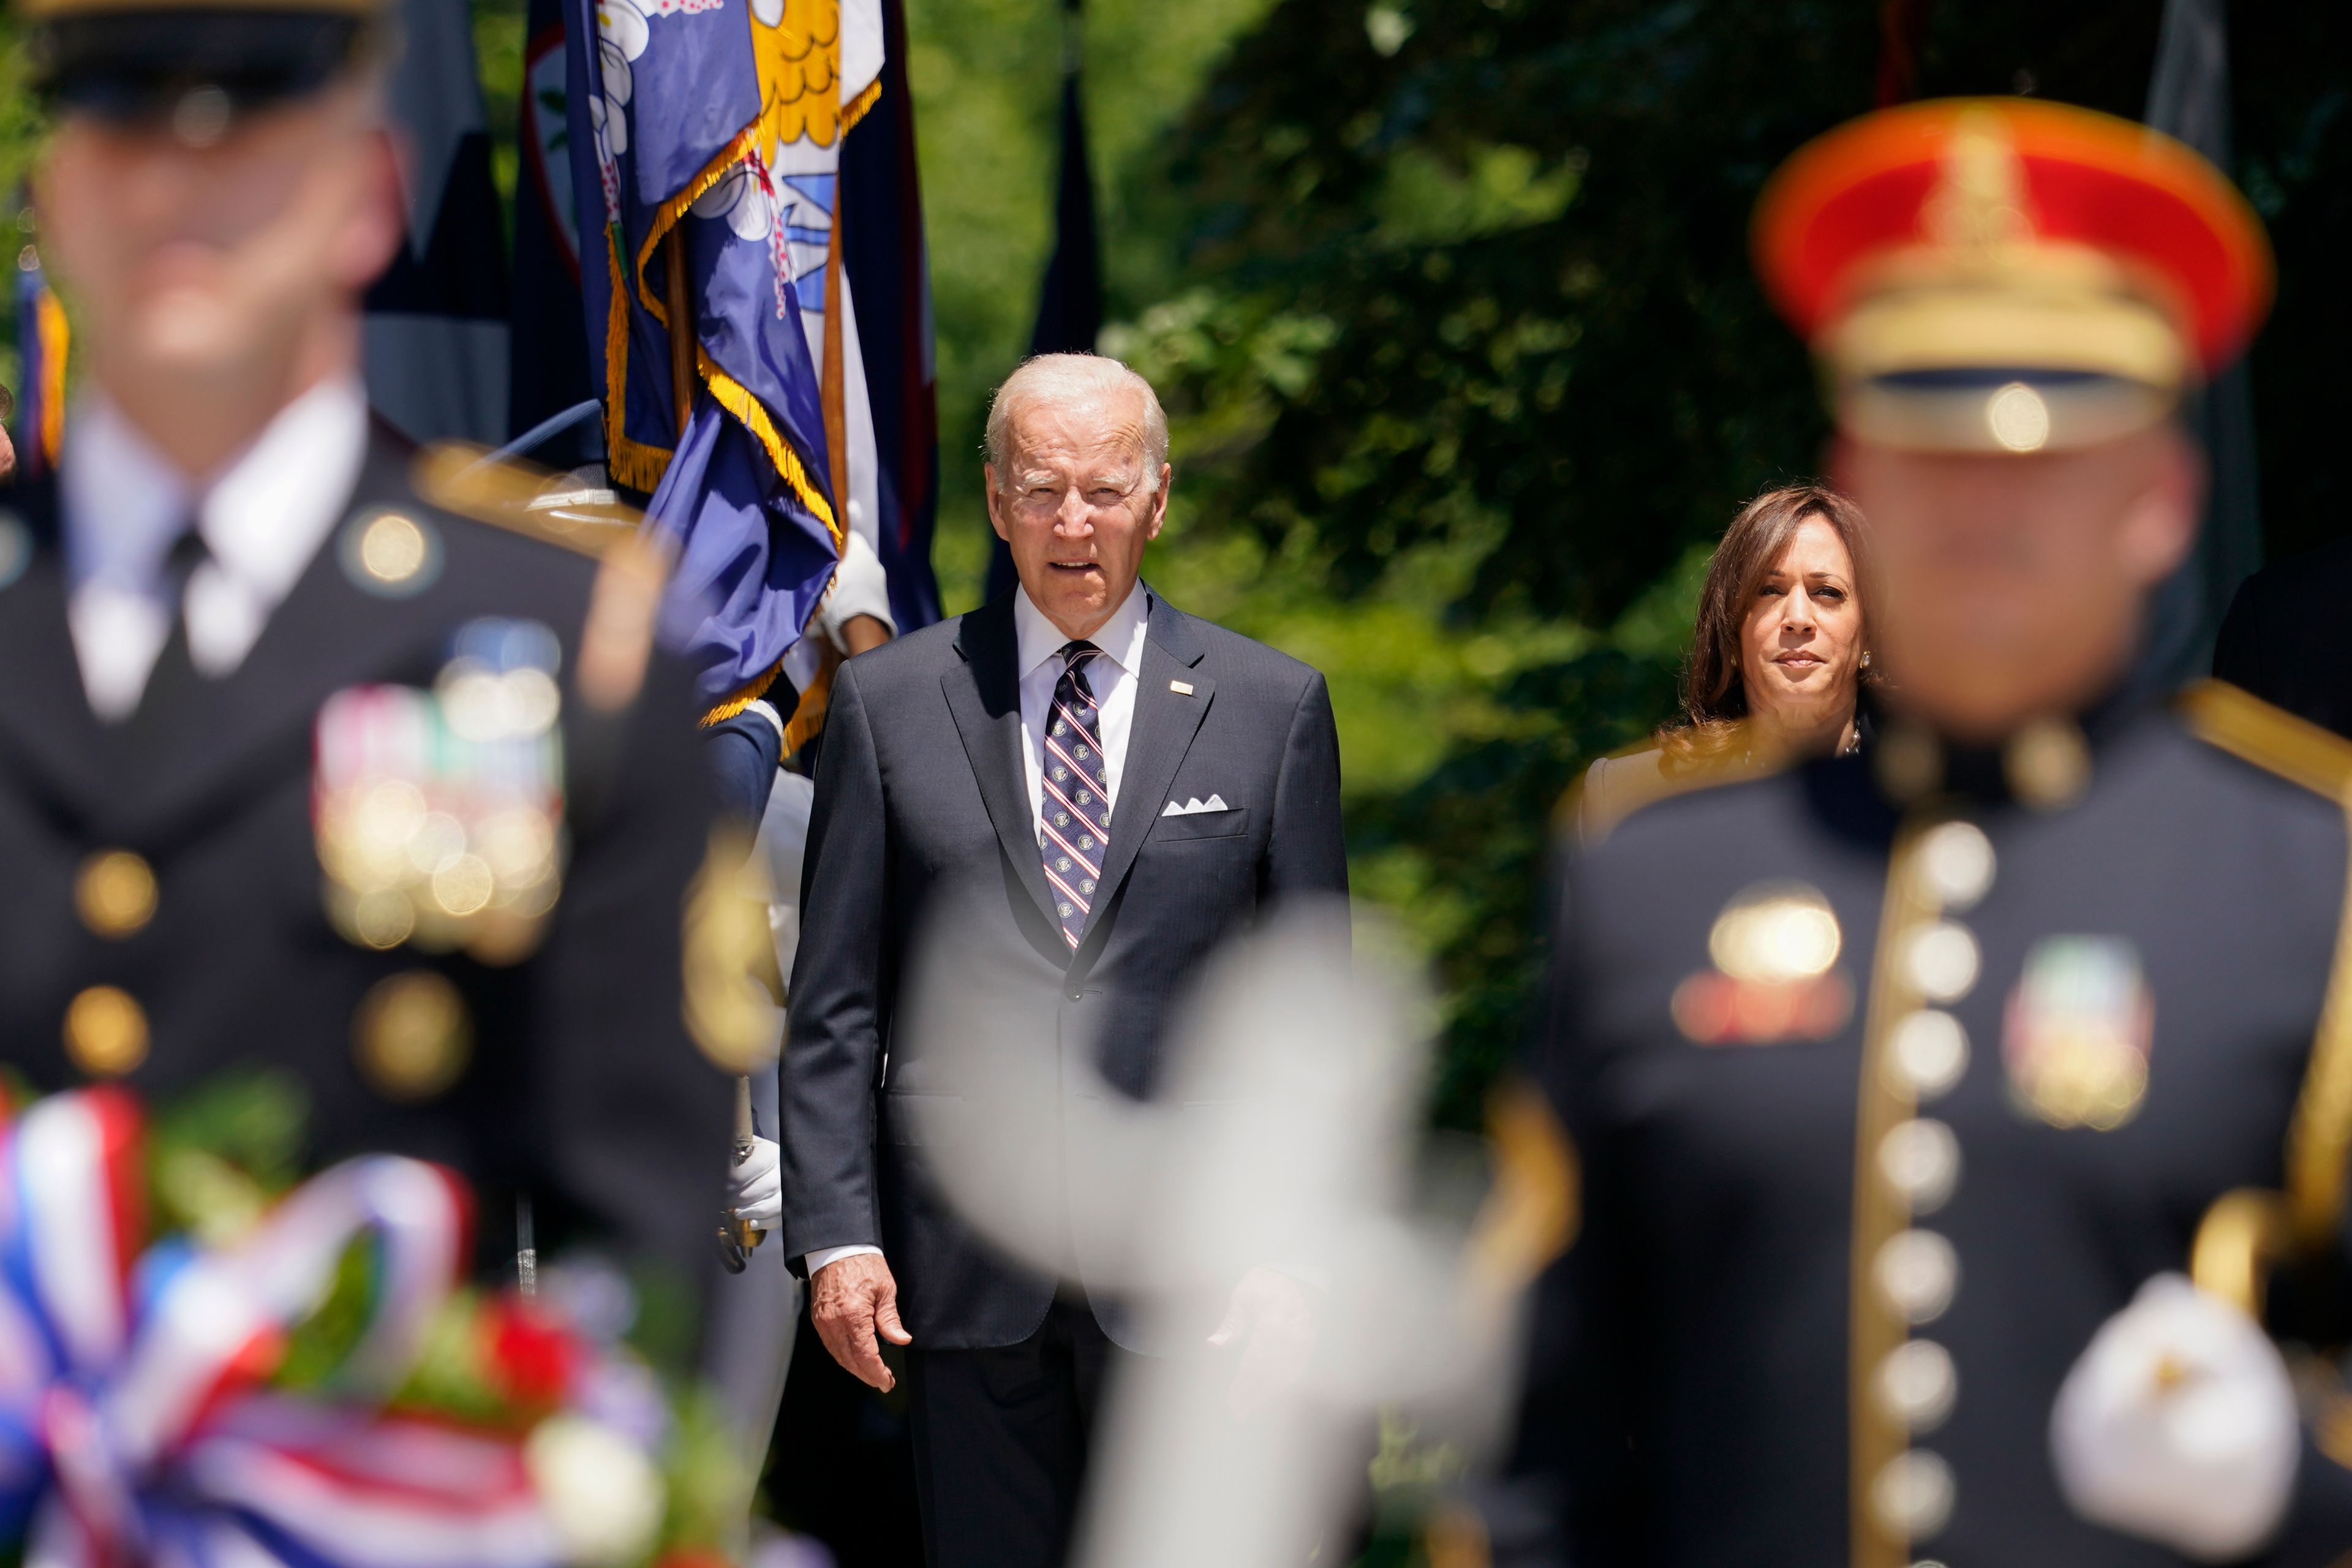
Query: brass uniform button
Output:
(390,554)
(114,892)
(1909,764)
(2048,764)
(106,1032)
(392,549)
(411,1036)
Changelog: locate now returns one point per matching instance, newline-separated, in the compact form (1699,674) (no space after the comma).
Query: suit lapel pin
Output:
(1181,688)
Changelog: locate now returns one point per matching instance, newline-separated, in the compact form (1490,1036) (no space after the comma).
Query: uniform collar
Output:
(262,517)
(1121,638)
(2047,764)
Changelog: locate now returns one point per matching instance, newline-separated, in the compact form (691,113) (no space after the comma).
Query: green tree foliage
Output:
(1525,223)
(1465,343)
(1470,328)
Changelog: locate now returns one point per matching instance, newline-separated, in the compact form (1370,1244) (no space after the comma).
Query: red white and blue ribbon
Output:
(135,1423)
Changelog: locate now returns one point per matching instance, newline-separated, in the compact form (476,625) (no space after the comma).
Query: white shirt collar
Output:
(124,503)
(1121,638)
(262,517)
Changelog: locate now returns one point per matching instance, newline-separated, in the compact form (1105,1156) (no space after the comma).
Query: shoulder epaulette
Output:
(521,497)
(2269,738)
(617,640)
(2321,1134)
(1532,1213)
(1588,818)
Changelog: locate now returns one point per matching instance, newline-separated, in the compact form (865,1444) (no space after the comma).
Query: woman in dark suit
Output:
(1777,661)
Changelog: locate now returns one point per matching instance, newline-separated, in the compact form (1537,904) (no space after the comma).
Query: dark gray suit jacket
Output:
(920,797)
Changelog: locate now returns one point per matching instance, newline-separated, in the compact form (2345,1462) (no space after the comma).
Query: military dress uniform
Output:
(1892,1077)
(199,888)
(1891,1083)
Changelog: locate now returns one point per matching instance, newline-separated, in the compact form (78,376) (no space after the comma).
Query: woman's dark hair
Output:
(1713,694)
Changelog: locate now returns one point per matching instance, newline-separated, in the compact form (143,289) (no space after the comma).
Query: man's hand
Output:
(850,1300)
(1271,1319)
(755,1187)
(2178,1423)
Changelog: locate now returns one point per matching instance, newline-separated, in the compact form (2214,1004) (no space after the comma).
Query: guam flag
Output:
(701,131)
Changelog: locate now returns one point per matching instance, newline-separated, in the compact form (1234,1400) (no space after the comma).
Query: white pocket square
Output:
(1195,806)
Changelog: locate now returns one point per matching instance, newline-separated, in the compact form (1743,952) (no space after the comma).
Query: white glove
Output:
(2179,1425)
(860,587)
(755,1187)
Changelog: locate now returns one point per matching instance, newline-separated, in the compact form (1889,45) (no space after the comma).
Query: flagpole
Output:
(681,340)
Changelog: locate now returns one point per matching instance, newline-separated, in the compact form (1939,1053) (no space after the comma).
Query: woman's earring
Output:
(1865,659)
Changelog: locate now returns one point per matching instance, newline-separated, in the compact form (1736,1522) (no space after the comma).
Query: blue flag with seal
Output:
(698,126)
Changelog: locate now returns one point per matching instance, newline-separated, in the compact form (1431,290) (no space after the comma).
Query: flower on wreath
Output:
(602,1494)
(326,1330)
(534,1360)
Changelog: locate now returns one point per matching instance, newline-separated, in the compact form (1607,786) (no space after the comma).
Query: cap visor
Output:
(133,66)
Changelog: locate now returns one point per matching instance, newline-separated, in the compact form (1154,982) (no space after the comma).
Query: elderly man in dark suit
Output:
(1125,786)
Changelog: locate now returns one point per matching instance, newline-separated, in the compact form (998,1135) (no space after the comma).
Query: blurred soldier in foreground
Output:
(299,771)
(1908,1086)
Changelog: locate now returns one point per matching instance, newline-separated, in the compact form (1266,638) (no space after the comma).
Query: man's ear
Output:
(995,500)
(377,224)
(2160,526)
(1159,504)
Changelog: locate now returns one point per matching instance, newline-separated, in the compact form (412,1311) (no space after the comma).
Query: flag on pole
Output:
(707,137)
(2189,97)
(548,354)
(1070,302)
(886,268)
(436,327)
(42,340)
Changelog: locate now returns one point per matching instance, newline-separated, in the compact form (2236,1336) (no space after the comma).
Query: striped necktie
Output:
(1073,825)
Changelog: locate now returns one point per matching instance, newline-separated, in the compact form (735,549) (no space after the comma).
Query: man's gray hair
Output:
(1075,377)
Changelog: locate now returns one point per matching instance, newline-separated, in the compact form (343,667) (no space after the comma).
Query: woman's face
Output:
(1801,648)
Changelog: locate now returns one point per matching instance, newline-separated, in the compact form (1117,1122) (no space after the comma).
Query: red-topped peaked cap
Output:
(2001,236)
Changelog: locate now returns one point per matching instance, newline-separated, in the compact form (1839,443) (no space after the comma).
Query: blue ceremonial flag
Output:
(701,130)
(548,357)
(886,267)
(1070,301)
(41,344)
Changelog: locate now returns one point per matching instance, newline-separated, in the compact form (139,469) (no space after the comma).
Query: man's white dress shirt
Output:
(262,518)
(1038,644)
(1112,677)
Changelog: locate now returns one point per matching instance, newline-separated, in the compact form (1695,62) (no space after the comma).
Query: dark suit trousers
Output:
(1000,1440)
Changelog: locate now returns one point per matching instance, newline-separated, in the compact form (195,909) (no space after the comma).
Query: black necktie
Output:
(174,676)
